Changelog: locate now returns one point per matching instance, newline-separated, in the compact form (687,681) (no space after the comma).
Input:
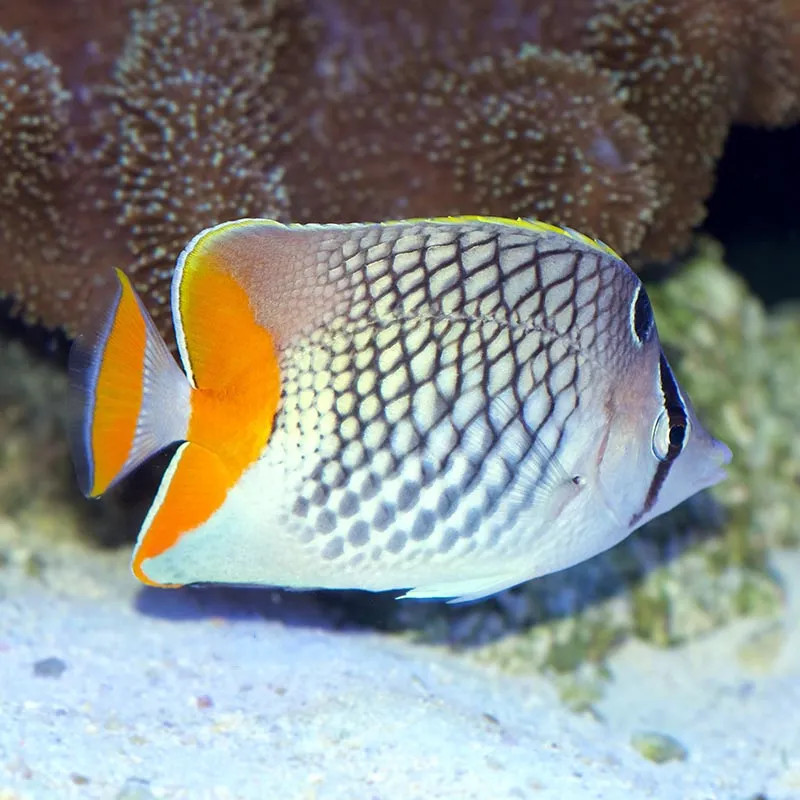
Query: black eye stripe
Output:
(642,316)
(676,410)
(678,422)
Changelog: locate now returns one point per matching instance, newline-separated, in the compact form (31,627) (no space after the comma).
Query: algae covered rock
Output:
(741,366)
(38,489)
(35,473)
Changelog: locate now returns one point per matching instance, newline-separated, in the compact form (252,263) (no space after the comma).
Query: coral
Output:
(533,134)
(35,188)
(36,480)
(179,137)
(192,125)
(607,115)
(82,37)
(689,70)
(684,69)
(790,13)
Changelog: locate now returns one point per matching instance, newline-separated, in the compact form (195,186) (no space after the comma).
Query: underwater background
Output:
(668,667)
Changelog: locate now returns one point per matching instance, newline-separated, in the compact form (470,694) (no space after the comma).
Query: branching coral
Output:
(607,115)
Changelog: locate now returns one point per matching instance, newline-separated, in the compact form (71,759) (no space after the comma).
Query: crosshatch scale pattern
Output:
(415,425)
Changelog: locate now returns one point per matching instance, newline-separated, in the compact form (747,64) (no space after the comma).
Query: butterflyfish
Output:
(448,407)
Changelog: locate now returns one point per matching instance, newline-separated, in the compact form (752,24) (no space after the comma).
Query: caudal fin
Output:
(130,397)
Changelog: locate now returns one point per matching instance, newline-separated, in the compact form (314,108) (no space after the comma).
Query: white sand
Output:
(206,694)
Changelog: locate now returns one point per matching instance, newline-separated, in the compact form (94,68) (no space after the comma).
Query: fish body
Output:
(447,406)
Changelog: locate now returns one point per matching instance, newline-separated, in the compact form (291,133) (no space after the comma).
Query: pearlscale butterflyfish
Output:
(448,407)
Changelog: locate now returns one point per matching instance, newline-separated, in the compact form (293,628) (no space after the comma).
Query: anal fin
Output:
(193,488)
(464,590)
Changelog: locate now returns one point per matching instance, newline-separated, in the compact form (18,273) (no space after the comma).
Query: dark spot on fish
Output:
(677,433)
(397,542)
(447,502)
(333,549)
(384,516)
(305,535)
(472,523)
(429,473)
(339,478)
(326,521)
(300,507)
(423,525)
(371,486)
(49,667)
(358,533)
(320,494)
(676,411)
(408,496)
(349,504)
(448,540)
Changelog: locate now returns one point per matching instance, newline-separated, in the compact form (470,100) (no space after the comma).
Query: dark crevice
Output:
(755,209)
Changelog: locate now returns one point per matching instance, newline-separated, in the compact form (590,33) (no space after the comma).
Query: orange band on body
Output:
(235,369)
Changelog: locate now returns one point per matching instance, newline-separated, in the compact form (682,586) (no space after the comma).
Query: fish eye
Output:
(669,434)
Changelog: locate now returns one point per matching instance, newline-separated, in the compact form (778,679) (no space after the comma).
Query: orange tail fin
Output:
(131,398)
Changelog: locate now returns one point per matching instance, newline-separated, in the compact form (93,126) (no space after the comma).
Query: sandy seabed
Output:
(112,690)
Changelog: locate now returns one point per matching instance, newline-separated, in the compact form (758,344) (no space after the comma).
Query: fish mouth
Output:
(721,456)
(723,453)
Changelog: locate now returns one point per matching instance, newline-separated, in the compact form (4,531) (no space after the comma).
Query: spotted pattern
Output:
(412,425)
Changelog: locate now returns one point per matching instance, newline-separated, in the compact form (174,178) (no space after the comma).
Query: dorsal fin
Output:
(276,266)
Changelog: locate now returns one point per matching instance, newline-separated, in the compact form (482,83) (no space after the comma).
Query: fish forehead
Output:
(410,421)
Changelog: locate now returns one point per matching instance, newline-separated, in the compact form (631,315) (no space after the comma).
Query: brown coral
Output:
(689,70)
(35,140)
(192,144)
(607,115)
(685,69)
(534,134)
(180,137)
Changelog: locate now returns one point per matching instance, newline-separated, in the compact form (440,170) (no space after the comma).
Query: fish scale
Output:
(446,406)
(444,324)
